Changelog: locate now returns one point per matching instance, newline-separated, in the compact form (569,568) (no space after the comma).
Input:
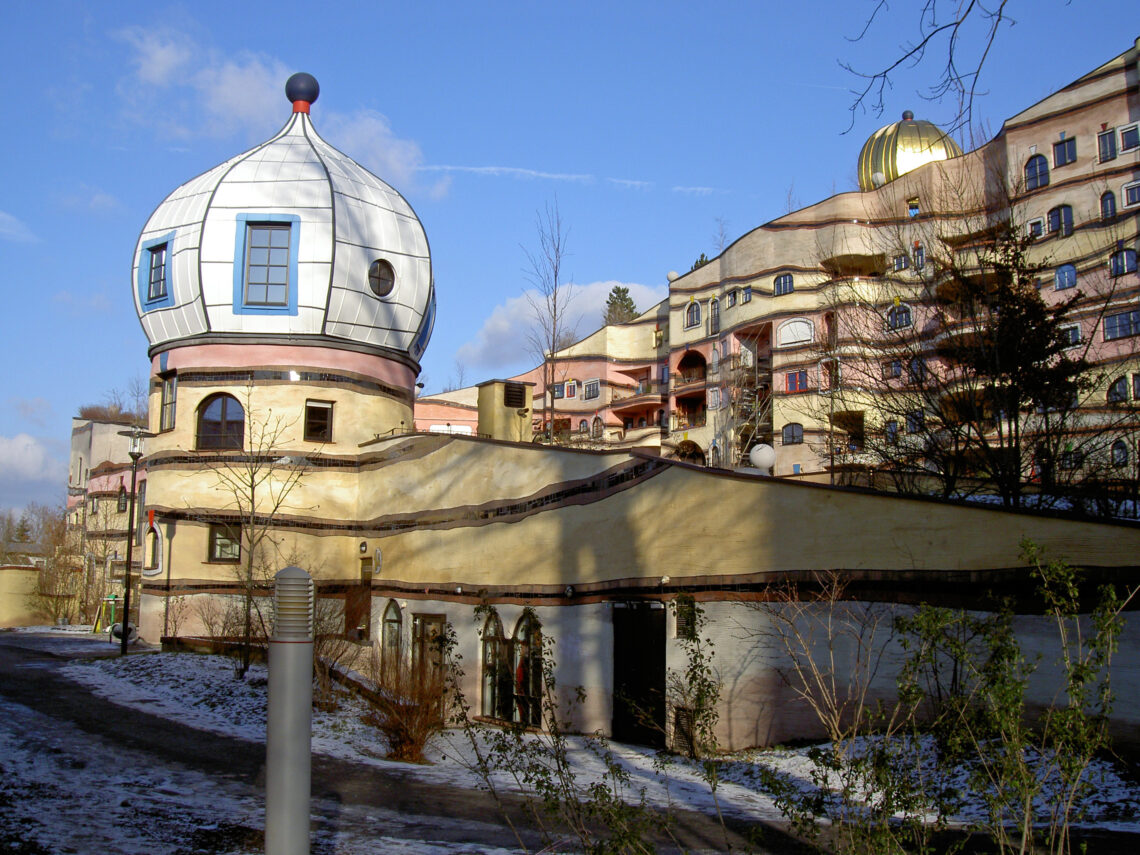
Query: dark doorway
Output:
(639,673)
(358,605)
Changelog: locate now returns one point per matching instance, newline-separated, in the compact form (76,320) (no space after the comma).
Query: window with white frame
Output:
(919,257)
(1035,227)
(318,421)
(692,314)
(902,262)
(591,389)
(571,388)
(1131,194)
(1071,335)
(225,543)
(731,299)
(714,316)
(899,317)
(1130,138)
(795,331)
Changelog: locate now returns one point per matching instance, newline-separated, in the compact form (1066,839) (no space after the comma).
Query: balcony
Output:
(855,264)
(647,394)
(689,382)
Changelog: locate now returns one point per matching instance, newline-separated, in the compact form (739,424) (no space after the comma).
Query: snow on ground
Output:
(201,691)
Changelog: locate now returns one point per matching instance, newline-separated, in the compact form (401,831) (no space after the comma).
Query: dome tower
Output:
(900,147)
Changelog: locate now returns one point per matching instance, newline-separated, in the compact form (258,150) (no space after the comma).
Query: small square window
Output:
(1065,151)
(795,381)
(559,390)
(892,369)
(746,294)
(1035,227)
(591,389)
(915,421)
(902,262)
(792,434)
(1071,459)
(1071,335)
(1106,145)
(912,207)
(225,543)
(156,288)
(318,421)
(1130,138)
(1065,277)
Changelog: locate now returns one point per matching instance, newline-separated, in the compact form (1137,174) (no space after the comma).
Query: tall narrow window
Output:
(169,398)
(1036,172)
(498,683)
(1107,205)
(1106,145)
(1120,453)
(318,421)
(122,506)
(267,264)
(221,423)
(156,288)
(714,316)
(527,662)
(915,421)
(391,633)
(919,257)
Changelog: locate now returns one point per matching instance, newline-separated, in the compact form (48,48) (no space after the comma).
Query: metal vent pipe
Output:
(288,740)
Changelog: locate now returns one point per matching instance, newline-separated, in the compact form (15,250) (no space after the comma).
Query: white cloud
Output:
(158,56)
(696,191)
(87,198)
(368,136)
(38,411)
(25,458)
(14,230)
(501,341)
(631,184)
(242,94)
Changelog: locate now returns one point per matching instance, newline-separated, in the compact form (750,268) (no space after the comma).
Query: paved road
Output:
(116,774)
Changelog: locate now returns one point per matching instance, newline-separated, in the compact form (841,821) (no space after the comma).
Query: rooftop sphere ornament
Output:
(302,86)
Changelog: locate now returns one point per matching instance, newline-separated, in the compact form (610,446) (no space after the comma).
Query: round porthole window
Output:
(381,277)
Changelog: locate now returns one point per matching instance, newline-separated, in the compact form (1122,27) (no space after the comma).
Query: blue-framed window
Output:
(902,262)
(265,264)
(792,434)
(1061,220)
(784,284)
(1036,172)
(899,317)
(1121,262)
(1065,277)
(1107,205)
(915,421)
(1065,151)
(919,257)
(153,283)
(1106,145)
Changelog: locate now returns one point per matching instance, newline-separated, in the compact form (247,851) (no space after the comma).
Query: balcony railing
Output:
(645,387)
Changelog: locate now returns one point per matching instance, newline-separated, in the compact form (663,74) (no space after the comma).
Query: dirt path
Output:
(348,798)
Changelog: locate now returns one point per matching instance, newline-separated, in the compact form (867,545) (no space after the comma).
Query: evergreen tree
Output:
(620,306)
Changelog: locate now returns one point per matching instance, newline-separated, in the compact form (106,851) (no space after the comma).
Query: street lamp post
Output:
(135,451)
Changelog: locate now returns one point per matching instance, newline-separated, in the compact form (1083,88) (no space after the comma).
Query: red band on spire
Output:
(300,106)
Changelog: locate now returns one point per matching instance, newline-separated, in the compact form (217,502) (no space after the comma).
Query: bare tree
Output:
(962,31)
(59,583)
(549,298)
(258,479)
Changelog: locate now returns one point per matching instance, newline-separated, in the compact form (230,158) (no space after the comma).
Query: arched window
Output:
(1107,206)
(498,684)
(597,431)
(793,434)
(714,316)
(1036,172)
(391,633)
(221,422)
(1061,220)
(527,665)
(1122,261)
(898,317)
(693,314)
(1120,453)
(122,508)
(1065,277)
(583,426)
(1118,391)
(783,284)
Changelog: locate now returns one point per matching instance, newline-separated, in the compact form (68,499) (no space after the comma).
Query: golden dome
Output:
(898,148)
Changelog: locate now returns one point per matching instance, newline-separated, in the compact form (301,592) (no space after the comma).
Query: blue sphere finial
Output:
(302,86)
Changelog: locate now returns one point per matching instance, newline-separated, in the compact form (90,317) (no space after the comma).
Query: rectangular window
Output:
(591,389)
(318,421)
(1136,387)
(713,398)
(891,432)
(225,543)
(267,264)
(169,396)
(571,388)
(746,294)
(1130,138)
(559,390)
(784,284)
(1065,151)
(156,289)
(1071,335)
(892,369)
(915,421)
(795,381)
(1106,145)
(731,299)
(1121,325)
(919,257)
(1131,194)
(1035,228)
(901,262)
(714,317)
(1061,220)
(912,207)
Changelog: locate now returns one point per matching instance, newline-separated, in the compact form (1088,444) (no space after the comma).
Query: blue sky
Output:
(650,123)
